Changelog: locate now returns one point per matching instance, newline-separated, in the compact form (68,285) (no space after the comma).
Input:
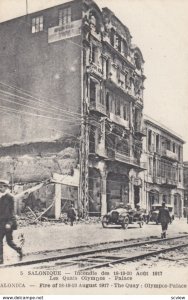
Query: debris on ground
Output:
(36,218)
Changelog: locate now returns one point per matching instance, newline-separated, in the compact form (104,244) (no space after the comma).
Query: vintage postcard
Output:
(93,153)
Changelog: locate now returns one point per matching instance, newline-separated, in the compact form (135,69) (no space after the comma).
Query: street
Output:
(50,237)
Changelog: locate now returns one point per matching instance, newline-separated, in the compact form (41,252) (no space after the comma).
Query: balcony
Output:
(124,157)
(139,130)
(95,68)
(95,105)
(170,155)
(116,119)
(168,183)
(156,180)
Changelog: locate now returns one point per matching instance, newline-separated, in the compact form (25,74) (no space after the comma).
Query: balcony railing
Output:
(118,120)
(124,156)
(95,68)
(97,106)
(140,130)
(169,182)
(170,155)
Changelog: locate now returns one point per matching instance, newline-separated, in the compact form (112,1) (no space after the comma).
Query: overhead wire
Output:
(38,109)
(36,115)
(24,99)
(38,99)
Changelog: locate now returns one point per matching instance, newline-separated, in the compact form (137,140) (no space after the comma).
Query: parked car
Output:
(123,217)
(154,213)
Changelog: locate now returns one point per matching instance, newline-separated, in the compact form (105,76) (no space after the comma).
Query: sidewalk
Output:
(61,236)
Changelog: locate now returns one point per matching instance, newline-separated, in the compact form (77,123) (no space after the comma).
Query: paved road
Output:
(61,236)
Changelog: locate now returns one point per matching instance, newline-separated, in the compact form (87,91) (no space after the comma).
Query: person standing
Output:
(164,218)
(7,219)
(71,214)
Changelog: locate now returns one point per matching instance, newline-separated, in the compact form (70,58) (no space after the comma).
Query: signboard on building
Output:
(63,32)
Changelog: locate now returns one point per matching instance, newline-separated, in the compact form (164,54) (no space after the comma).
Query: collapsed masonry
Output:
(46,183)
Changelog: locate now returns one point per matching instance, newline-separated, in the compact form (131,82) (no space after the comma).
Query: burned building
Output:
(71,99)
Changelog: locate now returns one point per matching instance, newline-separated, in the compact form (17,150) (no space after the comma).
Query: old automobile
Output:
(123,217)
(154,213)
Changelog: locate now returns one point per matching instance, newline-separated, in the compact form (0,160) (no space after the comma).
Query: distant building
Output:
(71,99)
(185,170)
(163,150)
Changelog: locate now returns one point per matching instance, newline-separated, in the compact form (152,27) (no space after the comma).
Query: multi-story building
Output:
(185,177)
(71,98)
(163,151)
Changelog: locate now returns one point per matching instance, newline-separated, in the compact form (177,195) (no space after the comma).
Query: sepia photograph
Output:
(93,148)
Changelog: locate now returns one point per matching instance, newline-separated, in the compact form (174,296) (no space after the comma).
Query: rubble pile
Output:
(27,218)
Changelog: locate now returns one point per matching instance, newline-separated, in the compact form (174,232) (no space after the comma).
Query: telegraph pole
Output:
(84,142)
(84,163)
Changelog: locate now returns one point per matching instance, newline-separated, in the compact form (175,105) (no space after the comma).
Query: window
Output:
(107,102)
(117,107)
(179,153)
(150,165)
(167,144)
(158,168)
(125,48)
(94,54)
(165,198)
(179,177)
(157,143)
(162,169)
(149,138)
(65,16)
(37,24)
(174,147)
(92,91)
(107,68)
(125,112)
(137,61)
(112,37)
(118,43)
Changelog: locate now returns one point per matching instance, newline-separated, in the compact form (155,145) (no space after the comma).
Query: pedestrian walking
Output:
(164,218)
(7,219)
(71,214)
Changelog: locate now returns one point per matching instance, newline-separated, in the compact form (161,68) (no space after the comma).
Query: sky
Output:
(159,29)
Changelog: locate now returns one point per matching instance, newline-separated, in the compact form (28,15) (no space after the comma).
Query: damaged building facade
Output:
(71,99)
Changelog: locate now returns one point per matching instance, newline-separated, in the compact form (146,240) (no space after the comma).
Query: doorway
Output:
(136,195)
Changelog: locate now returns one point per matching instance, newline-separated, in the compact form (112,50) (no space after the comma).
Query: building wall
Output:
(164,175)
(50,71)
(114,94)
(185,186)
(40,88)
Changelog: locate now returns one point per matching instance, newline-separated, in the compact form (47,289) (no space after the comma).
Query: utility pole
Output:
(84,142)
(84,163)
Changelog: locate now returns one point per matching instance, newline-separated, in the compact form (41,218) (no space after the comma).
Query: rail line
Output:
(108,255)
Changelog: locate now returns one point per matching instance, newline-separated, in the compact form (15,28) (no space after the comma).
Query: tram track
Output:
(106,255)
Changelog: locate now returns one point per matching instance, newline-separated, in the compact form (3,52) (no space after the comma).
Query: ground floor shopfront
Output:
(112,184)
(156,194)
